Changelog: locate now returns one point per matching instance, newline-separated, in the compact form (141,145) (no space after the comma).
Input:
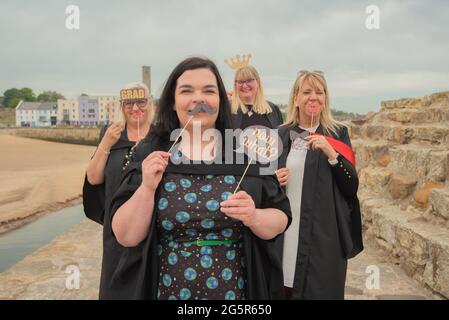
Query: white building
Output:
(36,114)
(81,111)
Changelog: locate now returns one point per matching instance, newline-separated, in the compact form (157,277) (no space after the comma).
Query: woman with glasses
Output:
(248,103)
(106,168)
(318,172)
(199,234)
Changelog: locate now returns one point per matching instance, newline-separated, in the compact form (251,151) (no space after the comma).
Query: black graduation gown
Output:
(96,201)
(137,275)
(330,229)
(274,117)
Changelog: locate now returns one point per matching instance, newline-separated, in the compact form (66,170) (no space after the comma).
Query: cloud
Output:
(408,55)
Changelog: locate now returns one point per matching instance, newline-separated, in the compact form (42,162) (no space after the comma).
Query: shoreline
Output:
(38,178)
(17,223)
(74,136)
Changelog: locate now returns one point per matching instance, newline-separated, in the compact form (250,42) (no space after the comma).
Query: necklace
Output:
(129,157)
(250,111)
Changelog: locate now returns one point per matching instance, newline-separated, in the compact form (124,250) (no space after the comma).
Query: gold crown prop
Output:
(238,63)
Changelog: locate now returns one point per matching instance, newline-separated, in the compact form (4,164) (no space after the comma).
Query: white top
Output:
(296,161)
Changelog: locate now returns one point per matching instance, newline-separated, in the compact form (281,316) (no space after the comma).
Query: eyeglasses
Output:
(302,72)
(140,103)
(240,83)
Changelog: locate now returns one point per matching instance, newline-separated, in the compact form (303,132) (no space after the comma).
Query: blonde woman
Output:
(105,170)
(318,172)
(248,103)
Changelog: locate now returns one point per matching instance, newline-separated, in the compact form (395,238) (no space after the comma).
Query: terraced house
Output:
(36,114)
(81,111)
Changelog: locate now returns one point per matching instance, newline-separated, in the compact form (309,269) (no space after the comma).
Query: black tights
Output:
(288,293)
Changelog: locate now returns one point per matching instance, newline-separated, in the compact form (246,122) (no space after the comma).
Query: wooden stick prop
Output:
(138,130)
(200,107)
(250,160)
(177,138)
(313,108)
(311,121)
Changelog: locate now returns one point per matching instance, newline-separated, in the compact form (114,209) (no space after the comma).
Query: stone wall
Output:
(402,155)
(88,136)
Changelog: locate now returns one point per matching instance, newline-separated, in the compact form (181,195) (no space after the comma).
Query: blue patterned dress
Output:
(189,209)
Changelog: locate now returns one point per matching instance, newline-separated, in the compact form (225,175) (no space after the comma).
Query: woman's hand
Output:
(282,175)
(240,206)
(229,94)
(111,136)
(318,142)
(153,168)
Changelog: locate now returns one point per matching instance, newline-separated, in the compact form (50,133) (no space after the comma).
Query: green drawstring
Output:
(202,243)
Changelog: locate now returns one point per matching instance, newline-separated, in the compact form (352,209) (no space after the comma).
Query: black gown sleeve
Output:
(94,201)
(344,173)
(94,195)
(286,143)
(130,183)
(278,113)
(273,196)
(281,119)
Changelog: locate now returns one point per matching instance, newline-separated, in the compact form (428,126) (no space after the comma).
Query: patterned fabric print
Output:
(189,209)
(300,144)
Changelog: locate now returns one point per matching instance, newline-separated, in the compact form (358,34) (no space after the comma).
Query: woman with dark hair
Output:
(198,239)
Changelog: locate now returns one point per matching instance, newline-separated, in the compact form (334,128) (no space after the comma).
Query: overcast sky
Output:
(407,57)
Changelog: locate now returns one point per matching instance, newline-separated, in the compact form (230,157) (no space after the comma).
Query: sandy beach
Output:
(38,177)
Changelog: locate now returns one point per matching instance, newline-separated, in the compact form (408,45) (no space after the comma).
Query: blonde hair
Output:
(138,85)
(260,106)
(314,79)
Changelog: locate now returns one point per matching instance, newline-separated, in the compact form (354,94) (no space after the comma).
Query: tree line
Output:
(12,97)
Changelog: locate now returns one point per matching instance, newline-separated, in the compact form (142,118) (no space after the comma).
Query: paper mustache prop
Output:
(200,107)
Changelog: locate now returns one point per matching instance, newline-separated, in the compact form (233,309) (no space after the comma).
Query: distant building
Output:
(36,114)
(146,76)
(89,111)
(81,111)
(68,112)
(109,107)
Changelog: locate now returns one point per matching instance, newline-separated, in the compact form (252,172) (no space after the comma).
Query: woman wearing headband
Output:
(106,168)
(318,171)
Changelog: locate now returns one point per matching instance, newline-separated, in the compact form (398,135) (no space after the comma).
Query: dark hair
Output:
(166,119)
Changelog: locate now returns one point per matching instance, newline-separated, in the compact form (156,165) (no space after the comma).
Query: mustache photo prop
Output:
(200,107)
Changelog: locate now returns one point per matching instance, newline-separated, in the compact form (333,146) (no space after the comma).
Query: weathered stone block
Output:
(421,196)
(401,187)
(439,201)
